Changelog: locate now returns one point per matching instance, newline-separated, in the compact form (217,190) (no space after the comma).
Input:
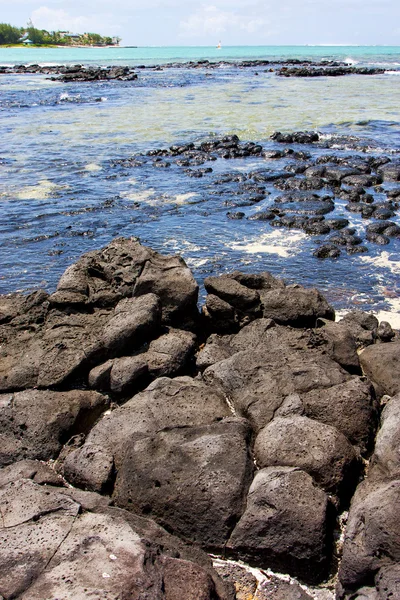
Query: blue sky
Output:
(234,22)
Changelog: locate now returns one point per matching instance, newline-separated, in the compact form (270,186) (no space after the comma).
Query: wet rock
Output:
(390,172)
(363,180)
(300,137)
(383,213)
(327,251)
(235,215)
(366,210)
(351,407)
(381,363)
(356,249)
(204,508)
(380,227)
(297,183)
(377,238)
(265,215)
(36,423)
(319,449)
(339,223)
(316,228)
(327,72)
(278,529)
(166,403)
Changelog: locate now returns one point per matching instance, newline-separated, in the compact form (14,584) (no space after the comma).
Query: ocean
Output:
(75,171)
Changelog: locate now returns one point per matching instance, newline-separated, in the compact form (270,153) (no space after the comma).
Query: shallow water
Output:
(62,192)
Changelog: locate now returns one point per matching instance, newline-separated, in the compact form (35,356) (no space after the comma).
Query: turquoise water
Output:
(68,184)
(388,55)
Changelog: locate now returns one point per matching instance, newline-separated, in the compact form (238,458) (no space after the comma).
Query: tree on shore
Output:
(9,34)
(42,37)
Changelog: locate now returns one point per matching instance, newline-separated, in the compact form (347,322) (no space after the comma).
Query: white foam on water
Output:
(44,189)
(144,196)
(351,61)
(195,263)
(281,243)
(92,167)
(183,198)
(384,261)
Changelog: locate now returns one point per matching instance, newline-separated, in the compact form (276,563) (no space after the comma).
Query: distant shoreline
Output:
(80,46)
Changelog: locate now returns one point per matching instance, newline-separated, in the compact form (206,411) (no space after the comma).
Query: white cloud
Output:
(210,19)
(58,19)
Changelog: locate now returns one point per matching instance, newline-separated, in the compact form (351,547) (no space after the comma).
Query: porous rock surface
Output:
(243,428)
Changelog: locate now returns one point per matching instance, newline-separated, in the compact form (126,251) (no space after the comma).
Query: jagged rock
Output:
(276,589)
(217,348)
(381,363)
(296,306)
(350,407)
(319,449)
(363,180)
(166,356)
(234,299)
(233,292)
(372,534)
(363,326)
(124,373)
(125,268)
(51,546)
(269,364)
(284,524)
(36,470)
(244,582)
(108,302)
(388,582)
(220,315)
(385,332)
(390,172)
(36,423)
(169,354)
(385,461)
(166,403)
(340,345)
(67,345)
(157,478)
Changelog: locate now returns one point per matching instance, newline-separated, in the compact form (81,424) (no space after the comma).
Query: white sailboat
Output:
(219,46)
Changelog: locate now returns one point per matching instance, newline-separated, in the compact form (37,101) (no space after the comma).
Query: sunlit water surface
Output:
(62,194)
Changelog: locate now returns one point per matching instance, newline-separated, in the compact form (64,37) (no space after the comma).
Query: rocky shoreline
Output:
(138,433)
(311,187)
(285,68)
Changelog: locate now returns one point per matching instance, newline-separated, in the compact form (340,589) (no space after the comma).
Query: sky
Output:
(233,22)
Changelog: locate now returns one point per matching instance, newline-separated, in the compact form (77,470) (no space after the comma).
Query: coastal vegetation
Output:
(31,36)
